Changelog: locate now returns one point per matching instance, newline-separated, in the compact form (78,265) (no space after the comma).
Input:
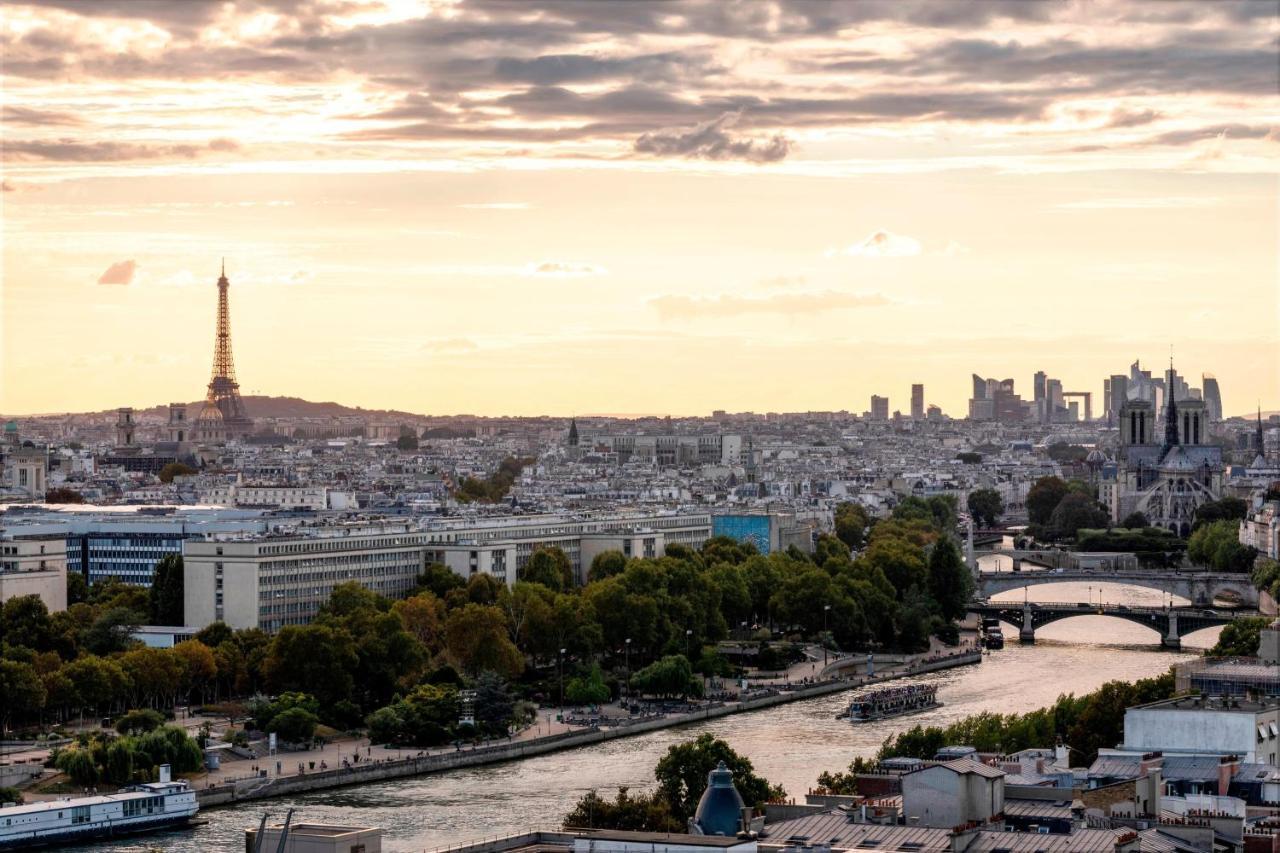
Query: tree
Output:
(317,659)
(1217,544)
(682,775)
(139,720)
(1225,509)
(851,522)
(167,591)
(1063,452)
(78,764)
(1043,498)
(950,582)
(23,692)
(969,457)
(476,637)
(63,495)
(200,666)
(1135,520)
(111,632)
(901,561)
(607,564)
(408,439)
(670,676)
(24,621)
(423,615)
(986,506)
(439,579)
(588,689)
(494,704)
(550,567)
(1239,638)
(175,469)
(643,812)
(77,588)
(296,725)
(1075,512)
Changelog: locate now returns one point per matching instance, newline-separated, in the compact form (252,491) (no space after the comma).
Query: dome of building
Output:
(720,809)
(1095,457)
(11,426)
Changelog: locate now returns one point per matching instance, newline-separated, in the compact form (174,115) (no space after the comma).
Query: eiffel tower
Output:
(223,415)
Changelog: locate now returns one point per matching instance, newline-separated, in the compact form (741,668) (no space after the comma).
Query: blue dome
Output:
(720,809)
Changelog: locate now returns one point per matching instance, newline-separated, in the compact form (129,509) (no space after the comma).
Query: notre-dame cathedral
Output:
(1165,478)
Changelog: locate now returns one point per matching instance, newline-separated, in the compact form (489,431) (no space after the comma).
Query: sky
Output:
(562,207)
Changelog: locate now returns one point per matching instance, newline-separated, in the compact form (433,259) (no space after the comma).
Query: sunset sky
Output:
(571,207)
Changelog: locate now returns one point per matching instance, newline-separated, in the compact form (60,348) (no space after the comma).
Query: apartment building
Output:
(271,580)
(34,565)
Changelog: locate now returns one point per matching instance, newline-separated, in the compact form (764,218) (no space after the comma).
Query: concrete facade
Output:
(1205,725)
(34,566)
(957,793)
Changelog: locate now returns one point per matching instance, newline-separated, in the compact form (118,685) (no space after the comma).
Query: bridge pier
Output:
(1172,639)
(1027,634)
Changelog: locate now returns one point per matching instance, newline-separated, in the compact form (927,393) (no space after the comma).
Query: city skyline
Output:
(524,209)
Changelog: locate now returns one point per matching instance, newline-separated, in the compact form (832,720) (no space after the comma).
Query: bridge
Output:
(1200,588)
(1171,623)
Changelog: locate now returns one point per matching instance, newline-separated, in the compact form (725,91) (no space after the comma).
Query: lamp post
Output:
(628,684)
(826,608)
(688,637)
(562,681)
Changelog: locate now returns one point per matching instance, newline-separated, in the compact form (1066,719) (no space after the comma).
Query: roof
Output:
(1116,766)
(968,765)
(1190,767)
(1039,808)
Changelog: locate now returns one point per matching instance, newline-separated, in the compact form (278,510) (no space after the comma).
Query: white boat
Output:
(136,809)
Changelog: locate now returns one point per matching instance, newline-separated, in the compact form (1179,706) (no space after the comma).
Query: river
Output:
(789,744)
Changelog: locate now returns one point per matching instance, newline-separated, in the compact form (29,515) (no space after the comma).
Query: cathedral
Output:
(1165,480)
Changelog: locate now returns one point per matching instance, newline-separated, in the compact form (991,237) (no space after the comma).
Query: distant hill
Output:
(1253,416)
(290,407)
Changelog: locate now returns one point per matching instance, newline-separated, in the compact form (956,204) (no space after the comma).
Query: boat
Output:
(136,809)
(887,702)
(993,638)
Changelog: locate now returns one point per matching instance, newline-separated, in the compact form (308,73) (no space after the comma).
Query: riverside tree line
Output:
(398,667)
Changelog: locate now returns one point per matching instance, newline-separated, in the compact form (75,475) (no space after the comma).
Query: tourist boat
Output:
(887,702)
(993,638)
(136,809)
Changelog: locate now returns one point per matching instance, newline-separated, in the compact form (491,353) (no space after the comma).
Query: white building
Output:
(1206,725)
(960,792)
(34,565)
(272,580)
(1261,529)
(278,497)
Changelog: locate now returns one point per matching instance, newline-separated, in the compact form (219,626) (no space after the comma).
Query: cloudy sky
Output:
(558,206)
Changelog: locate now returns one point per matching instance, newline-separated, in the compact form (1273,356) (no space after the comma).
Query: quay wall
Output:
(254,789)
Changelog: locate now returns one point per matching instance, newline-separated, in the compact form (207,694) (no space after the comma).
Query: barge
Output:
(888,702)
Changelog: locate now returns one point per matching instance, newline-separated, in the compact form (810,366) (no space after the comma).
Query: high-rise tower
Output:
(223,415)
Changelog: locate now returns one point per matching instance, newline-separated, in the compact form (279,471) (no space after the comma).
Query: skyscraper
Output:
(879,408)
(1212,397)
(917,402)
(1038,383)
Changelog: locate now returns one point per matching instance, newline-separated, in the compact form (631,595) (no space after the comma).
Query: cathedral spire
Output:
(1170,413)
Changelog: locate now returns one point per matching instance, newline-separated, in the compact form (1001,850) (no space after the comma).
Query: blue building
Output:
(760,529)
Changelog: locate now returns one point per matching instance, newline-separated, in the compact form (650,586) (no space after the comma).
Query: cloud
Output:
(40,118)
(7,187)
(710,141)
(72,150)
(120,272)
(498,205)
(450,345)
(1139,203)
(562,269)
(882,244)
(1132,118)
(729,305)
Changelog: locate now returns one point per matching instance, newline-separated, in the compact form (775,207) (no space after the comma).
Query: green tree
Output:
(670,676)
(118,767)
(588,689)
(439,579)
(407,440)
(1076,512)
(166,591)
(550,567)
(1239,638)
(1224,509)
(851,522)
(139,720)
(1043,498)
(494,703)
(682,775)
(607,564)
(78,764)
(950,581)
(77,588)
(22,690)
(63,495)
(986,506)
(24,621)
(175,469)
(317,659)
(111,632)
(296,725)
(643,812)
(1135,520)
(476,637)
(1217,544)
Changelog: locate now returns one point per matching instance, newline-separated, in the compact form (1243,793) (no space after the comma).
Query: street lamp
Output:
(688,637)
(628,684)
(826,608)
(562,681)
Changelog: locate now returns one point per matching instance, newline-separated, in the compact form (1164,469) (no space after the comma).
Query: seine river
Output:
(790,744)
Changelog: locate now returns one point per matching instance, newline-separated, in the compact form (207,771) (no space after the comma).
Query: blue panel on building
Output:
(743,528)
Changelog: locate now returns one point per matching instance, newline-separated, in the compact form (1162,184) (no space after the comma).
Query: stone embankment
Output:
(379,771)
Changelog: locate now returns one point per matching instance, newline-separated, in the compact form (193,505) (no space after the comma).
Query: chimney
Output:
(1227,767)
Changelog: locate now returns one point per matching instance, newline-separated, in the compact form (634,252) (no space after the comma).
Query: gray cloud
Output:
(710,141)
(75,151)
(40,118)
(120,272)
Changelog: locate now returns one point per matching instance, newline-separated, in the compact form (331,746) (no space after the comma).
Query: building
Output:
(1206,725)
(917,402)
(956,793)
(1164,481)
(502,546)
(272,580)
(879,408)
(1212,397)
(1261,529)
(315,838)
(767,531)
(276,497)
(34,565)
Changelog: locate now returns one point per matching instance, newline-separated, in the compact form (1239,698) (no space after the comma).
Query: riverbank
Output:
(387,769)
